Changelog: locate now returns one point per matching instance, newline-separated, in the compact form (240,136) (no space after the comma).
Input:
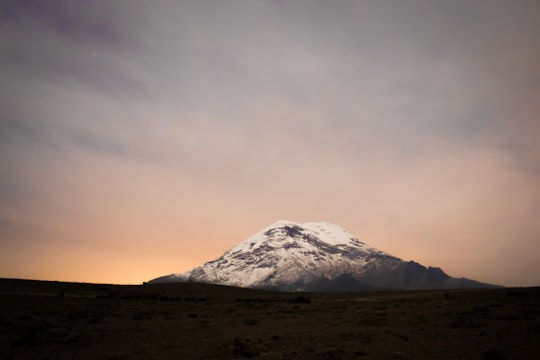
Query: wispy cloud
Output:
(413,124)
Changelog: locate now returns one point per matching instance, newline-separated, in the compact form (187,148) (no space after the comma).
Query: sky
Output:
(143,138)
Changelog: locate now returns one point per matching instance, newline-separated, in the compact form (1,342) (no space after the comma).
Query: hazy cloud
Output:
(185,126)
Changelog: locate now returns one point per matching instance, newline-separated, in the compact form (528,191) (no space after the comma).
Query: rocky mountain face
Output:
(316,257)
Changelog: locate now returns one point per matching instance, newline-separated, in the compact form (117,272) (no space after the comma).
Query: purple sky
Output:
(141,138)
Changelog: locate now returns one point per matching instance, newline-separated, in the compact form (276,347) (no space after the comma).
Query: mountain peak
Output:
(283,223)
(313,256)
(330,233)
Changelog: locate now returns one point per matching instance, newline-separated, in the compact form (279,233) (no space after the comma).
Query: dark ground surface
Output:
(53,320)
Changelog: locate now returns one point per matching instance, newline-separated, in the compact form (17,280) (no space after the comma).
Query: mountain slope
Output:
(315,257)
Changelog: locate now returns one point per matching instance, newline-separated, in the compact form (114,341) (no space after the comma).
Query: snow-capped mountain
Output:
(314,256)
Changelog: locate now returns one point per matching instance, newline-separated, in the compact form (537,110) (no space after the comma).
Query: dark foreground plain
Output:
(54,320)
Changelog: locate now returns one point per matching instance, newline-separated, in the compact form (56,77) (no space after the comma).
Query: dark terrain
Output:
(54,320)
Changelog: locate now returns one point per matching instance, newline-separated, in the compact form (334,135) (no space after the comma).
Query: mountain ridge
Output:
(316,256)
